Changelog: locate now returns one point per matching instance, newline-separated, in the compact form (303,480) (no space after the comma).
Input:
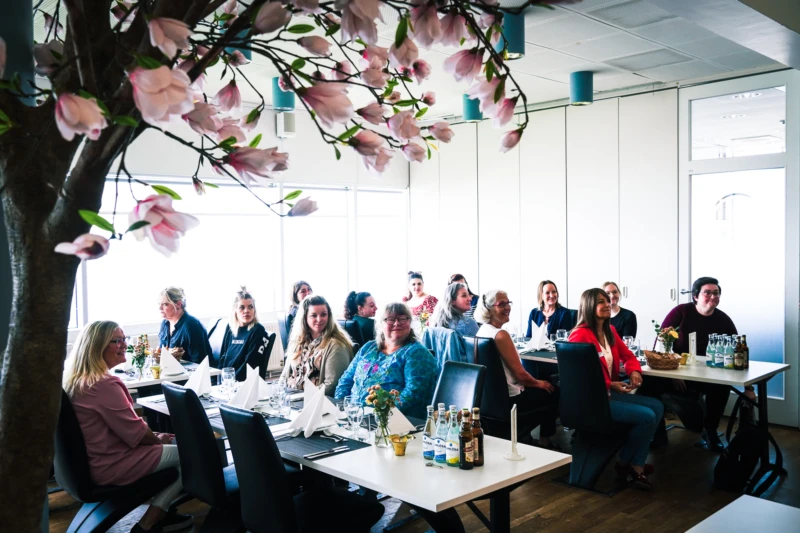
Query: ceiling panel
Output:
(537,15)
(611,46)
(607,82)
(588,5)
(683,71)
(560,32)
(711,48)
(674,32)
(647,60)
(545,61)
(744,60)
(632,14)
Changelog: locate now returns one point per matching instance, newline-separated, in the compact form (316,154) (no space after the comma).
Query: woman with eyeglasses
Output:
(180,332)
(531,395)
(701,317)
(473,303)
(245,341)
(417,299)
(550,313)
(394,360)
(120,447)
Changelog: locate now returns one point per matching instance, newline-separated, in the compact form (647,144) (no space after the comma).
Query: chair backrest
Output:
(446,345)
(201,464)
(266,500)
(494,399)
(283,330)
(584,397)
(262,365)
(352,329)
(215,336)
(71,461)
(460,384)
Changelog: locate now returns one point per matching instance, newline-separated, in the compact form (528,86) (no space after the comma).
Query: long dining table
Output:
(432,490)
(133,382)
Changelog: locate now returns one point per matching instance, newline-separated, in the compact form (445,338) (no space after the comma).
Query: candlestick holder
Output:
(513,455)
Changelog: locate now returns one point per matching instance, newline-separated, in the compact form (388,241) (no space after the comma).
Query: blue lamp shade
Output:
(248,54)
(281,100)
(472,109)
(581,88)
(513,35)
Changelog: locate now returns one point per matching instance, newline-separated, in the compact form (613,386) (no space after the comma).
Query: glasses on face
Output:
(119,342)
(503,304)
(402,320)
(711,294)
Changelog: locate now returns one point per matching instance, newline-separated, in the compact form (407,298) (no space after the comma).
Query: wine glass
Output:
(228,380)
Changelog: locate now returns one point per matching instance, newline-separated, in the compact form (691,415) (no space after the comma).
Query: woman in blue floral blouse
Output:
(394,360)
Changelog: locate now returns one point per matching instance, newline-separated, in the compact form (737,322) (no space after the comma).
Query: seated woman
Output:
(458,278)
(451,311)
(318,348)
(642,412)
(360,308)
(394,360)
(245,341)
(528,393)
(120,447)
(300,291)
(550,312)
(623,320)
(180,331)
(417,299)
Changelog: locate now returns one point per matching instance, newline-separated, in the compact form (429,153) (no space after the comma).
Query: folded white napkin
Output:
(169,365)
(263,387)
(315,406)
(399,424)
(538,337)
(200,379)
(247,395)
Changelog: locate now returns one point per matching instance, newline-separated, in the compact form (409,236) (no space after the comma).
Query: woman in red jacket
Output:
(641,412)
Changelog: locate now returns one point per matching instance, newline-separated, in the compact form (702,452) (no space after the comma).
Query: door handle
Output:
(625,292)
(672,295)
(686,291)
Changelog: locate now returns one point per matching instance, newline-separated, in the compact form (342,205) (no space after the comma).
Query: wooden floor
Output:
(683,497)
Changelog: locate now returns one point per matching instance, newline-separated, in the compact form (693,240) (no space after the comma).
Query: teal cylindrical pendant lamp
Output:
(581,88)
(513,35)
(472,109)
(281,100)
(242,36)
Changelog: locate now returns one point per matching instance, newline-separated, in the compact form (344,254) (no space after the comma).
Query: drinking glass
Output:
(561,335)
(285,405)
(228,380)
(355,414)
(553,338)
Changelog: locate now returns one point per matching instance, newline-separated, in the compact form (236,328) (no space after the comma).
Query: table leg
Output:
(765,467)
(446,521)
(500,512)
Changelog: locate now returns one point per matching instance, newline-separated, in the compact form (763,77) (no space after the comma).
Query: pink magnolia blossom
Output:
(123,12)
(309,6)
(454,28)
(487,20)
(200,50)
(253,163)
(366,142)
(271,17)
(87,246)
(377,163)
(373,113)
(441,131)
(333,19)
(403,126)
(404,55)
(166,225)
(464,65)
(50,24)
(374,57)
(329,101)
(186,65)
(420,69)
(199,186)
(426,23)
(429,98)
(285,84)
(249,126)
(203,118)
(230,128)
(231,8)
(303,207)
(48,57)
(414,152)
(229,97)
(169,35)
(341,71)
(504,112)
(510,140)
(394,97)
(77,115)
(237,59)
(160,93)
(358,19)
(315,45)
(2,56)
(375,77)
(484,91)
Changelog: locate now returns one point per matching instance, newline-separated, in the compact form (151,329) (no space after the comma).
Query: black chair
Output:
(585,408)
(262,365)
(352,329)
(103,506)
(460,384)
(267,502)
(205,476)
(215,336)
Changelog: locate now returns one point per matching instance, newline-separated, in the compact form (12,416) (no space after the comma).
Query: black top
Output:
(247,347)
(189,334)
(366,327)
(289,320)
(624,323)
(562,318)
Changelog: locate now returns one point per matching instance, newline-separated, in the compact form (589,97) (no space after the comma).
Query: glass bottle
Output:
(439,448)
(711,349)
(745,352)
(738,355)
(719,353)
(428,435)
(729,347)
(477,437)
(453,434)
(465,443)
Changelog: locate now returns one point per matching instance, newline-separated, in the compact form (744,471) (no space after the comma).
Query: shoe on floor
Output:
(176,522)
(712,441)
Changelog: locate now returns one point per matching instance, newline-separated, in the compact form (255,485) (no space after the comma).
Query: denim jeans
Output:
(644,414)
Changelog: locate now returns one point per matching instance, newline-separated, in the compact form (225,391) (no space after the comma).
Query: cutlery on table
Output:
(324,453)
(434,465)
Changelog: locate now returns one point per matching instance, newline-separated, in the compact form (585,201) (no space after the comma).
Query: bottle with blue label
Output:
(711,349)
(439,453)
(453,450)
(428,435)
(719,354)
(730,347)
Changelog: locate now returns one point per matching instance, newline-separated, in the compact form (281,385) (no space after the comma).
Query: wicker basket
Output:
(662,361)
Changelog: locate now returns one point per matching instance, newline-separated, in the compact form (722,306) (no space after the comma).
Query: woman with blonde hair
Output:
(120,447)
(319,350)
(623,320)
(180,332)
(245,341)
(451,311)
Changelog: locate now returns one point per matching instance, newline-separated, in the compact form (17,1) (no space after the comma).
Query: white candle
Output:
(514,429)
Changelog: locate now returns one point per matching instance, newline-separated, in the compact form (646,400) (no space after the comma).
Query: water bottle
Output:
(452,450)
(428,435)
(439,450)
(719,353)
(711,349)
(729,349)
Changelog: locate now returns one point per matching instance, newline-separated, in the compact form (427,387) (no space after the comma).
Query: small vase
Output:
(140,373)
(665,347)
(382,437)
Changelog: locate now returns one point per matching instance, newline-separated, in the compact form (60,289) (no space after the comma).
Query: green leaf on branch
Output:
(212,185)
(125,120)
(338,153)
(255,141)
(4,128)
(498,92)
(406,79)
(300,28)
(489,33)
(362,43)
(405,103)
(224,17)
(462,41)
(252,115)
(349,133)
(147,62)
(137,225)
(298,64)
(421,112)
(163,189)
(305,76)
(402,32)
(4,118)
(396,110)
(227,144)
(96,220)
(292,195)
(489,70)
(429,152)
(333,29)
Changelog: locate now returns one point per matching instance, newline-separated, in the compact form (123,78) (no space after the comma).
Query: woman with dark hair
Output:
(459,278)
(451,311)
(623,320)
(394,360)
(300,291)
(245,341)
(360,308)
(641,412)
(417,299)
(550,312)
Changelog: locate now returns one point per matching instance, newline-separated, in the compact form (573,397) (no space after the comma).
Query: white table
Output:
(434,492)
(749,515)
(135,383)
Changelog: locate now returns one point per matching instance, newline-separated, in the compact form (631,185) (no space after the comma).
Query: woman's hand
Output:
(636,379)
(544,385)
(679,385)
(165,438)
(620,387)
